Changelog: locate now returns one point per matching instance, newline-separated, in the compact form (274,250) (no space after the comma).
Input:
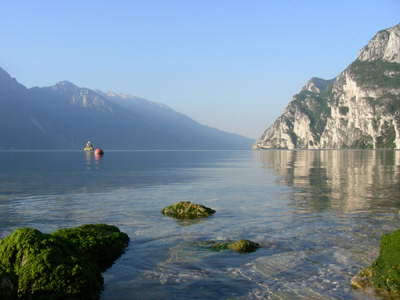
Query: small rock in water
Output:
(243,246)
(187,210)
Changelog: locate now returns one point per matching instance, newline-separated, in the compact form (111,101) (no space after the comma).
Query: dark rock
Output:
(8,285)
(187,210)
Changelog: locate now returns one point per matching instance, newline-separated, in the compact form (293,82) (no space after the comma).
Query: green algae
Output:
(242,246)
(93,239)
(58,266)
(187,210)
(384,274)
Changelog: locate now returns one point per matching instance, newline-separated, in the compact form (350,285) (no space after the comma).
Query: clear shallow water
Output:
(318,215)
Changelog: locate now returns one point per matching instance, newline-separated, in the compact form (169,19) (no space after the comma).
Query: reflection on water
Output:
(52,172)
(318,216)
(348,180)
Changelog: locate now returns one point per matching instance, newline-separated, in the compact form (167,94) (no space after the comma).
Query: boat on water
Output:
(88,146)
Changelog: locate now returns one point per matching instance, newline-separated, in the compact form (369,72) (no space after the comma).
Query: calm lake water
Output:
(318,215)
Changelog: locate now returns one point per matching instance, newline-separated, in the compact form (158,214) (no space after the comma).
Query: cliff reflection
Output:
(348,180)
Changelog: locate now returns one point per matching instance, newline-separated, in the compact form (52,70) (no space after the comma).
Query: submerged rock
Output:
(243,246)
(187,210)
(64,265)
(384,274)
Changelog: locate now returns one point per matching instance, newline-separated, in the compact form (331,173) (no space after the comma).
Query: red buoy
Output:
(99,151)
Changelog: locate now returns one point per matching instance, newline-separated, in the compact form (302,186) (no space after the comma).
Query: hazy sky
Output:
(230,64)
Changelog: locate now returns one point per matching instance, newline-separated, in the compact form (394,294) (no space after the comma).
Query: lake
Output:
(318,216)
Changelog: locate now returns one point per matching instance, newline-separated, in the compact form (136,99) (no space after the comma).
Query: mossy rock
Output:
(242,246)
(47,267)
(58,266)
(363,279)
(102,243)
(384,274)
(187,210)
(8,285)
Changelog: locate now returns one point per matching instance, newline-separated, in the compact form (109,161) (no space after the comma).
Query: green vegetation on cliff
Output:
(316,107)
(388,137)
(377,73)
(387,103)
(364,142)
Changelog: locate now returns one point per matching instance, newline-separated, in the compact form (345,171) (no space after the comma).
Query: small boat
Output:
(88,147)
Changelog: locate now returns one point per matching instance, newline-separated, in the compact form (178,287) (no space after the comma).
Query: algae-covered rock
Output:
(8,285)
(187,210)
(363,279)
(48,267)
(58,266)
(102,243)
(384,274)
(243,246)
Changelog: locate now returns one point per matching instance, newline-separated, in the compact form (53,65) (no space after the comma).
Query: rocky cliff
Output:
(360,108)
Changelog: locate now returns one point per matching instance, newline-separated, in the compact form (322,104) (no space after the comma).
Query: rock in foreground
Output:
(384,274)
(102,243)
(187,210)
(64,265)
(243,246)
(8,289)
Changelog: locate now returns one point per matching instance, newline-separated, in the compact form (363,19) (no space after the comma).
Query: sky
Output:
(229,64)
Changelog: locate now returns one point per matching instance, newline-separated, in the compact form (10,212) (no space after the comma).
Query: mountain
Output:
(66,116)
(360,108)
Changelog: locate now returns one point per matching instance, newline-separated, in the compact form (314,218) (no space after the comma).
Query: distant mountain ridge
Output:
(360,108)
(66,116)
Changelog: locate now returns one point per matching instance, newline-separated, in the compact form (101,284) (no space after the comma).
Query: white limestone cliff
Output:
(384,45)
(358,109)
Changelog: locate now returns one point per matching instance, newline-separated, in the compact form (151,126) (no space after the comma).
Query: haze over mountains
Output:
(66,116)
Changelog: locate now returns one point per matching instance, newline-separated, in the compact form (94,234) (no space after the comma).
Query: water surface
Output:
(318,216)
